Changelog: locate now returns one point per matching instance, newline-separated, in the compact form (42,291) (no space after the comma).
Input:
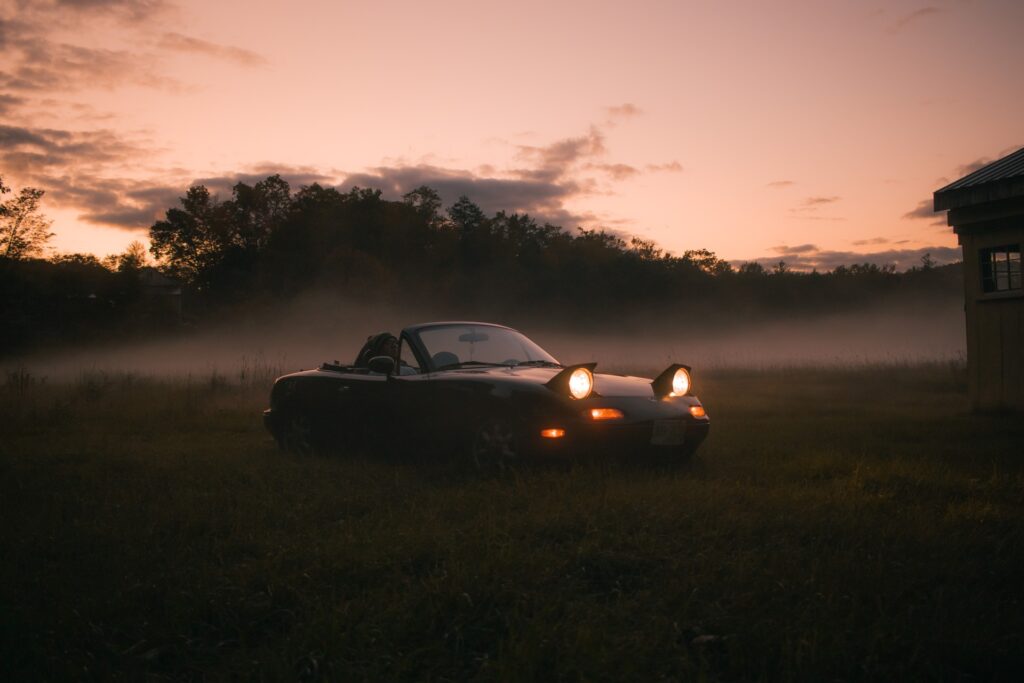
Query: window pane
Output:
(1000,268)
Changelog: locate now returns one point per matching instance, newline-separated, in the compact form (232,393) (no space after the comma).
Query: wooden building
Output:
(986,210)
(160,299)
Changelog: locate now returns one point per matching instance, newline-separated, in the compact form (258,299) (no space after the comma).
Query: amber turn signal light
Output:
(606,414)
(697,411)
(552,433)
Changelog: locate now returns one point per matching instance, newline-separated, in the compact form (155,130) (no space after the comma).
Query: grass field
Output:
(842,524)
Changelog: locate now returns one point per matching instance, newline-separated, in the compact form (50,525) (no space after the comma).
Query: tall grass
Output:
(844,523)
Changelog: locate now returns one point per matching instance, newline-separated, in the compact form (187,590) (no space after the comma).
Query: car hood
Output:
(604,384)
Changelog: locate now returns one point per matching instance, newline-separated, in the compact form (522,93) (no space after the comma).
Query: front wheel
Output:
(297,435)
(496,445)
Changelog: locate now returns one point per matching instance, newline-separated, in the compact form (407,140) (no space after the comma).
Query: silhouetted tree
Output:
(76,259)
(191,240)
(707,261)
(427,203)
(134,257)
(471,225)
(751,269)
(257,211)
(24,231)
(466,216)
(646,250)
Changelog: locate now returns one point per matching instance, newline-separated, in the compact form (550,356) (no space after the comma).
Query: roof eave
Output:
(956,198)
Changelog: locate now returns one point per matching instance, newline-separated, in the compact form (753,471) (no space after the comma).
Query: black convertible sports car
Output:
(486,390)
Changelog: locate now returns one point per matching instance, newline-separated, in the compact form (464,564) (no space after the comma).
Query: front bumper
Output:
(627,440)
(633,435)
(272,422)
(630,437)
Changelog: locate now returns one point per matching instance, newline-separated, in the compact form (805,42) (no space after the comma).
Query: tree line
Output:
(265,239)
(266,243)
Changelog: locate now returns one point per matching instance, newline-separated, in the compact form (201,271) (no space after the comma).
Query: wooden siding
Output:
(995,324)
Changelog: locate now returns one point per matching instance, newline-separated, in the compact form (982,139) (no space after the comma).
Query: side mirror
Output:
(384,365)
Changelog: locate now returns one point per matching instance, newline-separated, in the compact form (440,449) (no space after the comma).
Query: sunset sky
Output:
(813,131)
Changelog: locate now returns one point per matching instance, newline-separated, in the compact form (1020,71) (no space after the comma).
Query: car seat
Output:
(442,358)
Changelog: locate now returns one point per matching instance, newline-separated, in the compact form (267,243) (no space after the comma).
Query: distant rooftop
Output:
(1002,179)
(151,277)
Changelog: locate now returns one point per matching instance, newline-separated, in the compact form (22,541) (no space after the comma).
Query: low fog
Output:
(319,328)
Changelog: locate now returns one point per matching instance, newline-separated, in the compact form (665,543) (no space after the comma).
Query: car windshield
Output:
(452,346)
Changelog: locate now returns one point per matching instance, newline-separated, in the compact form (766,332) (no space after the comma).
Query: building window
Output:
(1000,268)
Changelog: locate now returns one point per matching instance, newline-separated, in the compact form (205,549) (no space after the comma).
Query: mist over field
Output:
(318,327)
(837,520)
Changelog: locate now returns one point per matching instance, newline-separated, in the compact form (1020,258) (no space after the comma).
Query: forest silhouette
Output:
(265,245)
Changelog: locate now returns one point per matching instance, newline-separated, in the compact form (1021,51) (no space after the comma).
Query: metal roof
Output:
(1001,179)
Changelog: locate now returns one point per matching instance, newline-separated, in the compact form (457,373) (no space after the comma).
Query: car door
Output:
(410,397)
(360,410)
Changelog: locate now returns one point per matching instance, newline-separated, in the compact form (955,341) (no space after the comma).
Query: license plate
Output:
(668,433)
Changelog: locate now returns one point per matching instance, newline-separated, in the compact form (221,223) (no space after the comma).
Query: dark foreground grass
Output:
(845,524)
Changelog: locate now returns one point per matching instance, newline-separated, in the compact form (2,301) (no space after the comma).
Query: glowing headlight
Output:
(680,382)
(581,382)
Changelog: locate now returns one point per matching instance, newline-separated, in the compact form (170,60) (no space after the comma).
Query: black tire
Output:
(496,445)
(297,435)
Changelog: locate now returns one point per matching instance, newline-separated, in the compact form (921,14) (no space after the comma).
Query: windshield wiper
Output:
(543,363)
